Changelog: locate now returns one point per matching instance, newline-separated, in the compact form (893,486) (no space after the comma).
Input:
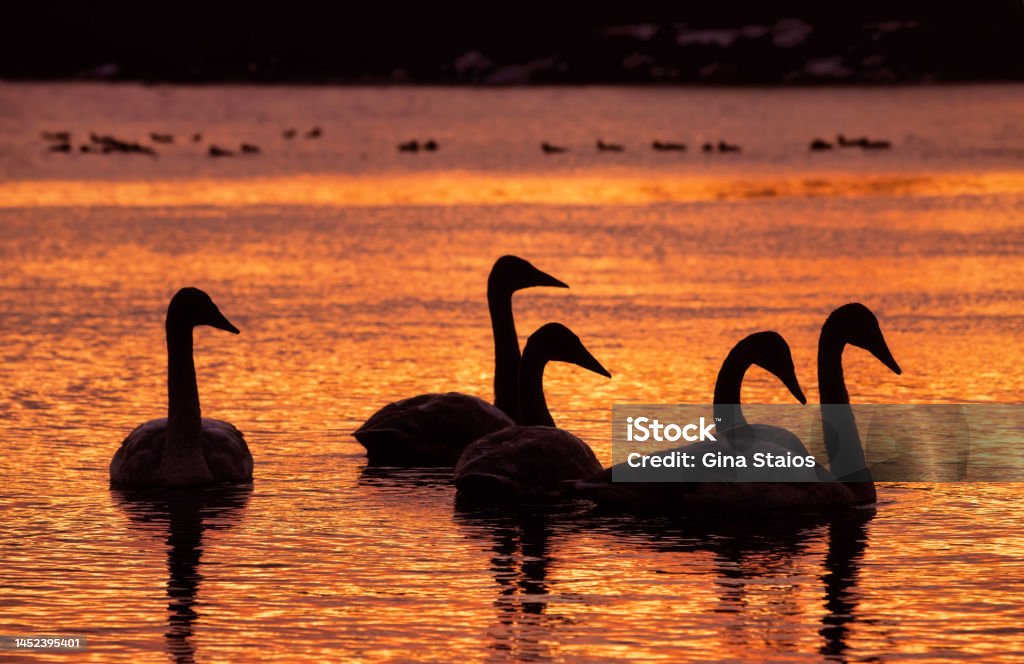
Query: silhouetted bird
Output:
(877,145)
(430,145)
(161,138)
(61,147)
(249,148)
(662,146)
(196,138)
(845,142)
(409,146)
(608,147)
(184,449)
(548,148)
(110,144)
(289,134)
(62,136)
(215,151)
(727,147)
(707,147)
(315,132)
(819,144)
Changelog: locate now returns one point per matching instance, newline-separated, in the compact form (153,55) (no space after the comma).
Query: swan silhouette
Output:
(767,350)
(530,461)
(183,449)
(848,481)
(433,429)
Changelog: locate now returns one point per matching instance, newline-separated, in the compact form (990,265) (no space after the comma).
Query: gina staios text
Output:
(680,459)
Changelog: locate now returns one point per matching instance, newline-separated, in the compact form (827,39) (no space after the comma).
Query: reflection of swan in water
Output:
(520,544)
(760,556)
(183,517)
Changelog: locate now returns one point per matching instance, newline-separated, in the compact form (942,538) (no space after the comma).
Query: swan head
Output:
(560,344)
(861,329)
(511,273)
(192,307)
(771,352)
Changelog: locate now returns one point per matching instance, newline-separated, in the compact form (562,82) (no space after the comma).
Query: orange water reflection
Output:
(344,307)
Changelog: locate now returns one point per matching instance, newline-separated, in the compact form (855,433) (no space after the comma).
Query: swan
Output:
(531,460)
(433,429)
(767,350)
(183,449)
(848,481)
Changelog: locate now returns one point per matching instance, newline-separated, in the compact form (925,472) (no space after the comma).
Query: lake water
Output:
(357,275)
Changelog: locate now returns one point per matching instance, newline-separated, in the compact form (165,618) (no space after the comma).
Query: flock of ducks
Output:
(60,141)
(511,451)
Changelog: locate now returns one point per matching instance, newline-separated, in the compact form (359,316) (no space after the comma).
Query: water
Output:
(357,275)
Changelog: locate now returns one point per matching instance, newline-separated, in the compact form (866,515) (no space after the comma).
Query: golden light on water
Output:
(353,290)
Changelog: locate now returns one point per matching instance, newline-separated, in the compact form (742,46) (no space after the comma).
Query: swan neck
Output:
(728,413)
(531,387)
(506,351)
(184,418)
(847,461)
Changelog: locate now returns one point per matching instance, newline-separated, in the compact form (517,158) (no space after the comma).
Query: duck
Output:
(184,449)
(846,483)
(249,148)
(664,146)
(844,142)
(707,147)
(216,151)
(157,137)
(197,138)
(60,147)
(548,148)
(877,145)
(431,145)
(433,429)
(728,147)
(608,147)
(409,146)
(315,132)
(819,144)
(530,461)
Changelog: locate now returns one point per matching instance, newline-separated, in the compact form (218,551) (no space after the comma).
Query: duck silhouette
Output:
(315,132)
(548,148)
(217,151)
(184,449)
(818,144)
(431,145)
(667,146)
(530,461)
(433,429)
(409,146)
(608,147)
(724,146)
(161,138)
(249,148)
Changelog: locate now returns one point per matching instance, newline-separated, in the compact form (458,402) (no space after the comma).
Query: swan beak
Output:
(794,388)
(222,323)
(588,361)
(884,356)
(545,279)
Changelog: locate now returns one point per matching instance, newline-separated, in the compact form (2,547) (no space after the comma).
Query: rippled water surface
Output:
(357,275)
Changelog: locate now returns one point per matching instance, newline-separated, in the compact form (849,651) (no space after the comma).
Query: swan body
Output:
(142,459)
(183,449)
(429,429)
(530,462)
(433,429)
